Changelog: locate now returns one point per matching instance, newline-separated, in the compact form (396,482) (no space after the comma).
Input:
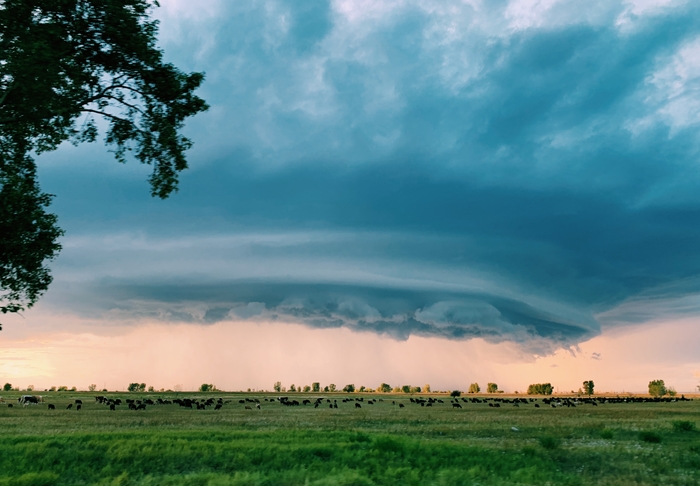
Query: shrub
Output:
(683,426)
(7,387)
(549,443)
(455,393)
(649,436)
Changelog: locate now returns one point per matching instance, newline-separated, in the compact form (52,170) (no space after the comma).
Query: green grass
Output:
(377,444)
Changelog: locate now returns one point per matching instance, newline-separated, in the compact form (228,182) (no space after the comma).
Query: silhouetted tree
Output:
(491,388)
(63,65)
(349,388)
(385,388)
(474,388)
(588,387)
(277,386)
(316,387)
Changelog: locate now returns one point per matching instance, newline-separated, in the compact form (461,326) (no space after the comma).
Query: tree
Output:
(316,387)
(64,64)
(474,388)
(426,388)
(657,388)
(206,387)
(385,388)
(7,387)
(455,393)
(331,387)
(415,389)
(588,387)
(92,387)
(349,388)
(292,388)
(136,387)
(492,388)
(406,388)
(307,388)
(540,389)
(362,389)
(277,386)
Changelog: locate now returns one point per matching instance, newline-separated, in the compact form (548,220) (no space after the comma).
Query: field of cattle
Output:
(346,439)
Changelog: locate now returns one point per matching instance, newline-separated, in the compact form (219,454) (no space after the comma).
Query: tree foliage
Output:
(492,388)
(136,387)
(657,388)
(588,387)
(65,65)
(349,388)
(474,388)
(540,389)
(384,388)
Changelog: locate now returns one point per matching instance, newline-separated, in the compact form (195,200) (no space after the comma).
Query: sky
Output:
(397,191)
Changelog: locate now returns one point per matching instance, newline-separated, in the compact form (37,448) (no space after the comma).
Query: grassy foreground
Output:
(636,443)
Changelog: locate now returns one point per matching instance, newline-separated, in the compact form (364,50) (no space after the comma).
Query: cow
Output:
(357,405)
(52,406)
(70,405)
(78,402)
(79,406)
(457,405)
(30,399)
(112,406)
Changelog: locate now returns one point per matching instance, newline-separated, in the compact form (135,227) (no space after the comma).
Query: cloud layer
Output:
(512,170)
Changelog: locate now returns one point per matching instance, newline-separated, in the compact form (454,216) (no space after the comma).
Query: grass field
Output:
(634,443)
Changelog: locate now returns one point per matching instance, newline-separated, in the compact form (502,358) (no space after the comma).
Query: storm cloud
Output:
(496,170)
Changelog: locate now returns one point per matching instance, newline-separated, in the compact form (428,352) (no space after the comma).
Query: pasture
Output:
(380,443)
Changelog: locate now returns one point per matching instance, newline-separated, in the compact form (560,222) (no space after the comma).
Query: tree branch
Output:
(113,117)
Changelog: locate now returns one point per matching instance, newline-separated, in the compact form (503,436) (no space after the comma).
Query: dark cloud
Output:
(397,312)
(546,161)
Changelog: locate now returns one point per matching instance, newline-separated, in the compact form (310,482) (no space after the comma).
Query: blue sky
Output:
(513,171)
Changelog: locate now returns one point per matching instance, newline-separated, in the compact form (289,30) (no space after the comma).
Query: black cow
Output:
(456,405)
(79,406)
(52,406)
(357,405)
(70,405)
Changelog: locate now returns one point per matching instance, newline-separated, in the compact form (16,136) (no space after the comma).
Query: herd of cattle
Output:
(255,403)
